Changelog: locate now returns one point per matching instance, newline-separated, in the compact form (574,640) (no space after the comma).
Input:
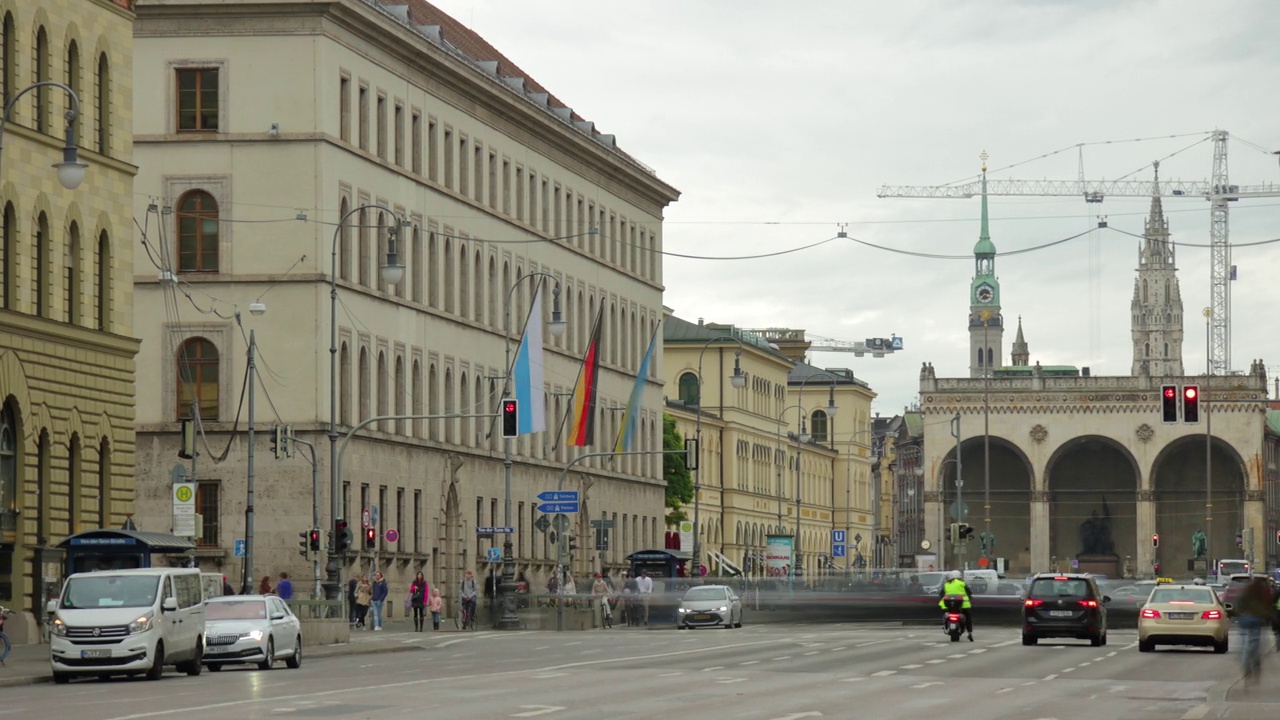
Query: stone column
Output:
(1040,531)
(933,527)
(1255,517)
(1146,527)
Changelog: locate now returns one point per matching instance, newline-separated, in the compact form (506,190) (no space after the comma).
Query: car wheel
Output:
(1028,639)
(61,678)
(295,661)
(1104,638)
(270,657)
(1146,646)
(1221,647)
(215,667)
(193,666)
(157,663)
(1096,641)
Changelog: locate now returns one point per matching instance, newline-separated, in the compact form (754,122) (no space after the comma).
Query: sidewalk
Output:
(29,664)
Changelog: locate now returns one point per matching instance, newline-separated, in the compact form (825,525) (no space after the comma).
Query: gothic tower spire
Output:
(986,325)
(1156,309)
(1021,355)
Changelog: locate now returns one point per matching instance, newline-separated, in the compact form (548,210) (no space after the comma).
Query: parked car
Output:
(1064,605)
(127,622)
(257,629)
(709,606)
(1183,615)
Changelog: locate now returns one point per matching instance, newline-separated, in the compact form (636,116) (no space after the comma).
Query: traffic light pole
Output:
(318,592)
(246,575)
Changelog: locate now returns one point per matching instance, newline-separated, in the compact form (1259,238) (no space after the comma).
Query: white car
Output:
(709,606)
(257,629)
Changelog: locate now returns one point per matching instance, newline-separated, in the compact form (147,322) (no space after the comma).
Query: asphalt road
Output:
(761,672)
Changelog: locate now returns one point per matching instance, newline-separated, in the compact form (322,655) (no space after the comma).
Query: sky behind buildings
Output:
(779,121)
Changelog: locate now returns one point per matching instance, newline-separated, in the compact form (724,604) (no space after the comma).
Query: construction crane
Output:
(1218,191)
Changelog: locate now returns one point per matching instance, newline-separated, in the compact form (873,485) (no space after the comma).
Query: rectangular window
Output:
(417,521)
(364,117)
(399,132)
(382,127)
(520,199)
(479,523)
(208,509)
(344,108)
(448,158)
(384,516)
(433,157)
(364,505)
(415,129)
(557,230)
(198,100)
(478,167)
(493,180)
(520,533)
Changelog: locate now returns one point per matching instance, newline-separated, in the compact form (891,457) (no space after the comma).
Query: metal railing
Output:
(319,609)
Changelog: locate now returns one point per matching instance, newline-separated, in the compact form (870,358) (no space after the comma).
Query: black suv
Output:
(1064,605)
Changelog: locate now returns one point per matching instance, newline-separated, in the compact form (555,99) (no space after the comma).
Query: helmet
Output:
(953,575)
(1198,581)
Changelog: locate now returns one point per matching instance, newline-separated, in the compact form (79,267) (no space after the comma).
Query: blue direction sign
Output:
(240,550)
(837,551)
(837,537)
(558,496)
(481,530)
(558,507)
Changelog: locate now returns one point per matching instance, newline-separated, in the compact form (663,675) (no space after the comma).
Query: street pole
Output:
(960,513)
(986,439)
(247,573)
(1208,445)
(317,592)
(738,380)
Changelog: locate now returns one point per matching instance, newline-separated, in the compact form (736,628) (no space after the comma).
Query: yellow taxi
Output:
(1183,615)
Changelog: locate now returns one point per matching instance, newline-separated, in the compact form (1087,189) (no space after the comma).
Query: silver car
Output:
(257,629)
(709,606)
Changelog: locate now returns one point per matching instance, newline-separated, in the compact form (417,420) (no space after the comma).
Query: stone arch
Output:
(1180,491)
(1012,482)
(452,537)
(14,379)
(1092,483)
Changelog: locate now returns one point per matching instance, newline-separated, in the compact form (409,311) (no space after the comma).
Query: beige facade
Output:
(748,479)
(248,173)
(66,351)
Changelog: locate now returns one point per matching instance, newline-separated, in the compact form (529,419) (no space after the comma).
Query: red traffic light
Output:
(1155,540)
(1169,391)
(509,406)
(1191,392)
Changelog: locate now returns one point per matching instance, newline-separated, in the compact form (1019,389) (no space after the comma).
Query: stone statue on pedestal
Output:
(1199,544)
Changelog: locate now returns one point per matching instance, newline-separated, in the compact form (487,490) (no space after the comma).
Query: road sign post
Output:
(558,507)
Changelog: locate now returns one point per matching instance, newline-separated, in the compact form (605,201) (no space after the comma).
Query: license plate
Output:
(702,616)
(1181,616)
(1060,613)
(95,653)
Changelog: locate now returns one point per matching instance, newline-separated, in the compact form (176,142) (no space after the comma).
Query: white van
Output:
(128,622)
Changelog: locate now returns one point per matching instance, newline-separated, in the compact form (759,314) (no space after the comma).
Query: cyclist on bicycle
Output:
(468,596)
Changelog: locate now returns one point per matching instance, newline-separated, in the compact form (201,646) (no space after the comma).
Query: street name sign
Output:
(602,524)
(558,496)
(558,507)
(480,530)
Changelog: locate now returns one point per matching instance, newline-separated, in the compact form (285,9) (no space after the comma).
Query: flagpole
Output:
(509,620)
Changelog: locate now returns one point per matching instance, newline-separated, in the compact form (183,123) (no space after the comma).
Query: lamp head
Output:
(393,272)
(738,379)
(70,170)
(557,326)
(257,308)
(831,402)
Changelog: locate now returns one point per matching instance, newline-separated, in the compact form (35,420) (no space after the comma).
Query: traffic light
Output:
(305,543)
(286,440)
(277,434)
(1190,403)
(955,533)
(573,543)
(602,539)
(315,539)
(341,537)
(1169,403)
(1155,540)
(510,417)
(370,538)
(552,537)
(965,531)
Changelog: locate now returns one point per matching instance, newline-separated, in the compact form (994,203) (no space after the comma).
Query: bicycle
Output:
(468,614)
(5,645)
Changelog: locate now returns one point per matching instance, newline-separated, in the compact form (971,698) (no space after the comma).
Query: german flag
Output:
(582,412)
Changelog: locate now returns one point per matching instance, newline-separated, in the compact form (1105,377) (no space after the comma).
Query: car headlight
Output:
(59,627)
(255,635)
(684,610)
(723,608)
(140,625)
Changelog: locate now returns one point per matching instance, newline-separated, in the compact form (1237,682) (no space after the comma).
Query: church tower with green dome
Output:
(986,325)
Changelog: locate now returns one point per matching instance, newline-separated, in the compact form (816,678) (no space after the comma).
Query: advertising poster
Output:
(777,555)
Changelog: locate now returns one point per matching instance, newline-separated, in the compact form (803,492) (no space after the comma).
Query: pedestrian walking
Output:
(570,589)
(379,600)
(285,587)
(436,605)
(1254,609)
(264,587)
(419,596)
(351,599)
(364,595)
(645,585)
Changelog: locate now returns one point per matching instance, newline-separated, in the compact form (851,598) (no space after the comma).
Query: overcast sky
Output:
(779,121)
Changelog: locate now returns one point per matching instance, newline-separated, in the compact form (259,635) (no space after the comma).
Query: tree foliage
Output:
(674,471)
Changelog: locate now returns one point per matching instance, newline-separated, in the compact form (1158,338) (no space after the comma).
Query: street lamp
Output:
(848,491)
(739,380)
(804,437)
(392,273)
(1208,439)
(507,587)
(909,471)
(70,170)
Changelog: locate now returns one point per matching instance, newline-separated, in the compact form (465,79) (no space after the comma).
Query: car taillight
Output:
(1211,615)
(1033,603)
(1149,613)
(1089,603)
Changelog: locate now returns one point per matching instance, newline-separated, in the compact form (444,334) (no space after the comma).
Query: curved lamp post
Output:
(848,489)
(392,273)
(507,586)
(70,170)
(739,380)
(830,411)
(802,436)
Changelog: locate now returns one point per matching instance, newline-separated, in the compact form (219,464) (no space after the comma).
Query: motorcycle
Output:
(953,620)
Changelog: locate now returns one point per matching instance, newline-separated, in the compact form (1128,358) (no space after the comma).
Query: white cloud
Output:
(780,121)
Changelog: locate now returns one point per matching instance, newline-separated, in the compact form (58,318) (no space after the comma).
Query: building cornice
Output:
(72,336)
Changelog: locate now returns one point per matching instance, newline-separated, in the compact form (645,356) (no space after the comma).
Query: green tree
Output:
(679,482)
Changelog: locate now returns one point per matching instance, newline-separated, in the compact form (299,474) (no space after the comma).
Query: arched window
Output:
(9,502)
(102,298)
(7,254)
(1144,291)
(402,426)
(418,409)
(40,253)
(991,358)
(197,378)
(1146,350)
(344,385)
(981,358)
(9,58)
(1166,350)
(689,391)
(366,388)
(383,392)
(197,232)
(40,61)
(344,241)
(104,483)
(433,401)
(818,426)
(72,276)
(73,71)
(362,260)
(103,106)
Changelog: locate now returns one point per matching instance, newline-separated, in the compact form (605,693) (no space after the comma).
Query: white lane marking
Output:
(535,710)
(1196,713)
(797,716)
(575,642)
(1117,688)
(838,649)
(716,667)
(1131,645)
(876,642)
(1100,659)
(544,647)
(545,676)
(1032,682)
(1111,654)
(447,643)
(749,662)
(935,661)
(956,656)
(853,679)
(1006,642)
(812,652)
(1059,647)
(909,667)
(1084,664)
(729,680)
(1050,677)
(975,651)
(926,684)
(1067,670)
(784,657)
(884,673)
(673,674)
(1004,690)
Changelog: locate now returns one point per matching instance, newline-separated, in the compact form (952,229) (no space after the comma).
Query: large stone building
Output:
(755,437)
(262,180)
(66,351)
(1062,469)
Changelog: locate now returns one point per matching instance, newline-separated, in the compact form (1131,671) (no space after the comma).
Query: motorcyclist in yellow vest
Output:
(955,585)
